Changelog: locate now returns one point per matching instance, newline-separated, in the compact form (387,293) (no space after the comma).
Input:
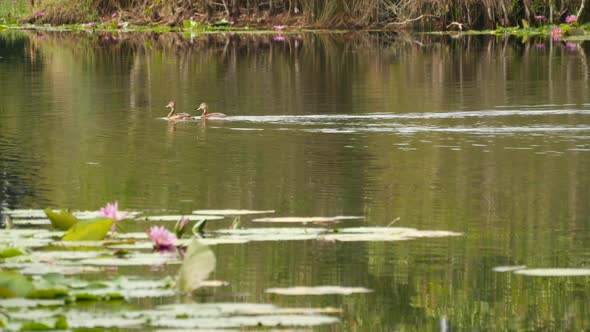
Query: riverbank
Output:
(337,14)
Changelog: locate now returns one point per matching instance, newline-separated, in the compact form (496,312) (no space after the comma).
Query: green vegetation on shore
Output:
(349,14)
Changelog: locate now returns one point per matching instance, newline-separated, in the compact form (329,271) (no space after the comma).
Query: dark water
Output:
(481,135)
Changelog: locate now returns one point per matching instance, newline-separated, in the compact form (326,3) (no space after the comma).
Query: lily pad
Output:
(318,290)
(508,268)
(246,321)
(231,212)
(25,213)
(62,220)
(13,284)
(29,303)
(383,234)
(134,259)
(189,217)
(89,230)
(199,262)
(307,219)
(31,222)
(556,272)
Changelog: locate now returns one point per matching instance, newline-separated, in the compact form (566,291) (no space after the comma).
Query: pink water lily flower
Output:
(112,211)
(556,33)
(571,19)
(279,27)
(278,38)
(161,237)
(39,14)
(90,25)
(539,17)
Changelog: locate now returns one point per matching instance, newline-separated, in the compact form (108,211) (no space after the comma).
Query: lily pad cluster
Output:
(48,273)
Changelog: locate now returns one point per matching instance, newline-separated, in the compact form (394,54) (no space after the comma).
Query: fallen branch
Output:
(410,20)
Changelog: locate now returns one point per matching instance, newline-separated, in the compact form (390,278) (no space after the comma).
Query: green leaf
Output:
(13,284)
(61,323)
(10,252)
(34,326)
(187,23)
(62,220)
(199,262)
(49,293)
(89,230)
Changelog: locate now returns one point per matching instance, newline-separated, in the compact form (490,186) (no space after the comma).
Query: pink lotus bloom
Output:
(556,33)
(539,17)
(161,237)
(39,14)
(571,19)
(90,25)
(278,38)
(279,27)
(112,211)
(120,25)
(232,22)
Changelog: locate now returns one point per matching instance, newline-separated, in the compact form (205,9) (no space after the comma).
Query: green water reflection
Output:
(481,135)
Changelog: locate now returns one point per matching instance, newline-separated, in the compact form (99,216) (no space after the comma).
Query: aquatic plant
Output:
(161,237)
(279,27)
(111,210)
(180,226)
(571,19)
(556,33)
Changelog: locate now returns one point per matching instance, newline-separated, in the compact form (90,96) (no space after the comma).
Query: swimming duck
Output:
(175,117)
(203,107)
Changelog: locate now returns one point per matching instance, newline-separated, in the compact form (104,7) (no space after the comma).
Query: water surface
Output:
(481,135)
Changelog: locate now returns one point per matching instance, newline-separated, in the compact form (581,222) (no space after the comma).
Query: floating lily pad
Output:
(383,234)
(134,259)
(44,268)
(189,217)
(318,290)
(199,262)
(31,222)
(557,272)
(509,268)
(231,212)
(307,219)
(237,315)
(62,220)
(246,321)
(79,319)
(271,233)
(89,230)
(29,303)
(13,284)
(25,213)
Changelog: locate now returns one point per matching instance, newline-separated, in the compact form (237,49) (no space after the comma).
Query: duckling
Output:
(203,107)
(176,117)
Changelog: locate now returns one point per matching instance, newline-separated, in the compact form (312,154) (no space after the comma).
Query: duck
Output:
(176,117)
(203,107)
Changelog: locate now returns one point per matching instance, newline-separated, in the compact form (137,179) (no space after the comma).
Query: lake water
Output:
(487,136)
